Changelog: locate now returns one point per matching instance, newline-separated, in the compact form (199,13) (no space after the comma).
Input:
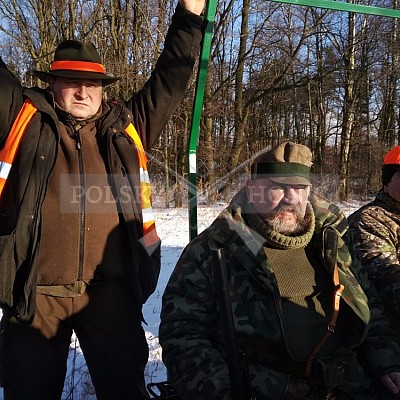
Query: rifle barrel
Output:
(228,326)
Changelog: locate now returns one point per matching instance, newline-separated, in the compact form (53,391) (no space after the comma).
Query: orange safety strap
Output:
(8,152)
(337,294)
(150,236)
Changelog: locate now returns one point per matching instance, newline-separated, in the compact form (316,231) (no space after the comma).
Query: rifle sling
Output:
(337,293)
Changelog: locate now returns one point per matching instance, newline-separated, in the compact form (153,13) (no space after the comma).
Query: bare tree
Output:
(348,109)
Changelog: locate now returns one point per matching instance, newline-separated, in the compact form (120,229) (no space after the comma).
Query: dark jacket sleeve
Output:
(378,349)
(10,100)
(194,359)
(379,353)
(153,105)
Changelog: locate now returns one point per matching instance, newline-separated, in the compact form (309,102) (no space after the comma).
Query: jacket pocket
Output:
(337,370)
(8,267)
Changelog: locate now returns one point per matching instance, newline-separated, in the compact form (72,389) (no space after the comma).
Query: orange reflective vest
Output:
(10,148)
(9,151)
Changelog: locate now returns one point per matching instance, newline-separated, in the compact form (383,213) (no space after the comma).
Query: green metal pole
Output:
(341,6)
(196,117)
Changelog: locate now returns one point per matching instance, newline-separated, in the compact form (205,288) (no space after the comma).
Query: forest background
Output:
(327,79)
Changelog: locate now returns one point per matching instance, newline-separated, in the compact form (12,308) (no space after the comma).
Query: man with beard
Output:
(307,319)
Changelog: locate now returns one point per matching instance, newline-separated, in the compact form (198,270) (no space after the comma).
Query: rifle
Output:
(237,360)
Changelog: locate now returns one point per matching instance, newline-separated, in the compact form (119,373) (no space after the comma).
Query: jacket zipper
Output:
(82,209)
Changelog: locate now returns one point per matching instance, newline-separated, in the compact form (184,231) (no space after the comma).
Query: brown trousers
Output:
(110,334)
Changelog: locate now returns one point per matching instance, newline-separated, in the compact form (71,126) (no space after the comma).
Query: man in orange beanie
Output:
(375,228)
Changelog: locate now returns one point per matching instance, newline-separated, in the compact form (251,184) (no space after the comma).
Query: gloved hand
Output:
(299,389)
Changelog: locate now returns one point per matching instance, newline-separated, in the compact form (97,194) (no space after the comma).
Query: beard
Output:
(279,223)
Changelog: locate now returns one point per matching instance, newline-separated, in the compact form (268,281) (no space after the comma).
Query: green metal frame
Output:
(196,117)
(202,75)
(342,6)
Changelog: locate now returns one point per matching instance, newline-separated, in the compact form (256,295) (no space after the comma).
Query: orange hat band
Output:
(78,66)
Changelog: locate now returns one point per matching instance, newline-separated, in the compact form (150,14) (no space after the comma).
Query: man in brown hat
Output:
(78,245)
(306,318)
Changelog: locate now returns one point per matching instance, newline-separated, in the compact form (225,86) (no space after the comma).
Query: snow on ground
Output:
(173,229)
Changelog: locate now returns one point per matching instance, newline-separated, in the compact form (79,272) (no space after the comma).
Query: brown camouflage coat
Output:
(191,334)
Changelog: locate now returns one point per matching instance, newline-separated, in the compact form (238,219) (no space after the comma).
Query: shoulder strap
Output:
(150,236)
(337,294)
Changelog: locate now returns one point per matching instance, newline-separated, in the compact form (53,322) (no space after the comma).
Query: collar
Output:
(388,201)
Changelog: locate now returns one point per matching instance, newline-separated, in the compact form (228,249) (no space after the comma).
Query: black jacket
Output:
(25,190)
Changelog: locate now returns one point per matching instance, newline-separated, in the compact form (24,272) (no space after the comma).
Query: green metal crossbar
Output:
(196,117)
(341,6)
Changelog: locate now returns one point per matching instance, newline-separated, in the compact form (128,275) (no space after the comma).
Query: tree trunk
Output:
(348,112)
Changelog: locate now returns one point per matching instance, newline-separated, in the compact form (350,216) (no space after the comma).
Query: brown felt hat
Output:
(75,59)
(288,163)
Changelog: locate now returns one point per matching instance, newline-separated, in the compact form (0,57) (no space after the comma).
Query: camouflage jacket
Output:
(191,334)
(375,229)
